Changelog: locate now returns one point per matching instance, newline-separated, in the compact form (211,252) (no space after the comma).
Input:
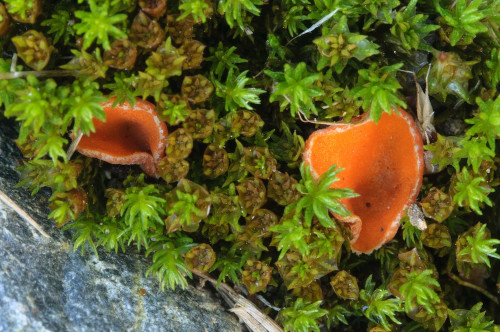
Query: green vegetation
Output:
(98,24)
(318,199)
(241,85)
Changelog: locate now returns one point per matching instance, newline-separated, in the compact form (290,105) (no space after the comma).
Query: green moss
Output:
(241,85)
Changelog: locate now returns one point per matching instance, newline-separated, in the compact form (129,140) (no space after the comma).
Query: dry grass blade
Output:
(74,144)
(9,202)
(315,25)
(303,118)
(254,319)
(425,113)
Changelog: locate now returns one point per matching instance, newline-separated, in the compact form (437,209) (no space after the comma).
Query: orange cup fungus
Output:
(383,163)
(130,135)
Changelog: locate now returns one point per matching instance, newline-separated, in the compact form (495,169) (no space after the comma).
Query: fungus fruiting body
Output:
(130,135)
(383,162)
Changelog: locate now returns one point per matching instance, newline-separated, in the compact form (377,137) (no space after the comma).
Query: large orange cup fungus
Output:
(130,135)
(383,163)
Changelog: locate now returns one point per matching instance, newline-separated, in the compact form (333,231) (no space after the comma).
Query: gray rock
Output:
(45,286)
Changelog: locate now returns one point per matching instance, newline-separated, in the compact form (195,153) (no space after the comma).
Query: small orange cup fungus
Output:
(130,135)
(383,163)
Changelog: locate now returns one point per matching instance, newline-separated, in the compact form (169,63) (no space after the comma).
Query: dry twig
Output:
(9,202)
(254,319)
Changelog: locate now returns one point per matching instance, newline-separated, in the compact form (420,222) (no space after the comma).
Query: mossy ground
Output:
(244,85)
